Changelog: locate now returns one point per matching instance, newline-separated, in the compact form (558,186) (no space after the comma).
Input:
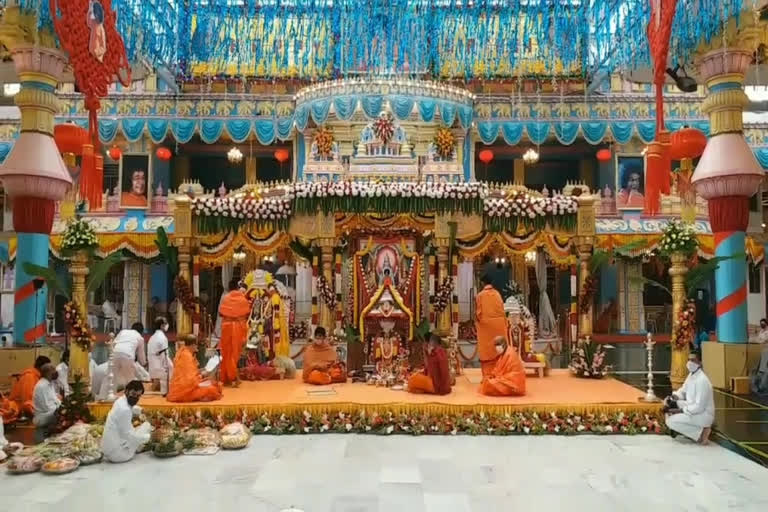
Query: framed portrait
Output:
(135,177)
(630,182)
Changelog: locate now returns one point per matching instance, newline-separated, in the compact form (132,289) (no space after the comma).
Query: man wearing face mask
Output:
(46,401)
(691,409)
(160,365)
(120,440)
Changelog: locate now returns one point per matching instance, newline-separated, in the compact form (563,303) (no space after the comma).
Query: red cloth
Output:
(256,371)
(436,368)
(234,310)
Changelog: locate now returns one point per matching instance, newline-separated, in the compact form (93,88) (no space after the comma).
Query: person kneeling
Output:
(120,440)
(187,384)
(436,378)
(321,363)
(508,376)
(691,409)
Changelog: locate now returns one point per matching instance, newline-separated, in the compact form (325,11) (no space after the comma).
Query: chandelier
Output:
(234,155)
(531,156)
(238,255)
(530,258)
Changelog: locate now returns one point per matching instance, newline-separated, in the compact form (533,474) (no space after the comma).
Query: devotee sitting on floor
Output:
(508,376)
(436,378)
(760,374)
(160,365)
(321,362)
(234,311)
(120,440)
(46,401)
(490,323)
(187,384)
(23,389)
(128,347)
(691,409)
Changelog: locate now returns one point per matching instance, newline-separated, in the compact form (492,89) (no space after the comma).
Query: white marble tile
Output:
(411,474)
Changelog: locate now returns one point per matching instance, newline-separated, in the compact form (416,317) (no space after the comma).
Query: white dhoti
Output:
(689,425)
(162,372)
(130,370)
(121,440)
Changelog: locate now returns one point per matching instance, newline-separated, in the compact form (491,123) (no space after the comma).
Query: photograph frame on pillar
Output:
(135,164)
(623,161)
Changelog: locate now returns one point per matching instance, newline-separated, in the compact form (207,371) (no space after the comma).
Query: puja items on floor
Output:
(79,445)
(234,436)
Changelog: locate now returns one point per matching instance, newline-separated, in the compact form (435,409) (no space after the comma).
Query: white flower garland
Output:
(318,190)
(79,235)
(678,236)
(444,295)
(327,295)
(267,209)
(525,205)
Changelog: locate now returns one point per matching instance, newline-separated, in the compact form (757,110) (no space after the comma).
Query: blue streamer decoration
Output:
(238,129)
(211,130)
(158,129)
(183,129)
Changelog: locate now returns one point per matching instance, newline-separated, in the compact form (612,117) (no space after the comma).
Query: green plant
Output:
(351,334)
(694,277)
(679,237)
(74,407)
(422,330)
(168,253)
(98,271)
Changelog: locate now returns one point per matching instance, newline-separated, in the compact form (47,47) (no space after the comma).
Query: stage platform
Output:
(559,394)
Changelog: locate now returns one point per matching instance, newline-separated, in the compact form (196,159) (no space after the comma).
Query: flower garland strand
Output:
(529,210)
(685,332)
(588,360)
(185,295)
(78,326)
(587,295)
(443,295)
(327,295)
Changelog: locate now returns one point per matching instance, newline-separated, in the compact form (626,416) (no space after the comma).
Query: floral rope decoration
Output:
(587,295)
(324,142)
(78,235)
(78,326)
(443,295)
(685,332)
(384,128)
(444,142)
(327,295)
(588,360)
(678,237)
(185,295)
(218,214)
(403,423)
(531,211)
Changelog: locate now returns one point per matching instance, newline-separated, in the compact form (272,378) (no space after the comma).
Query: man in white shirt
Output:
(128,348)
(160,365)
(120,440)
(45,401)
(691,409)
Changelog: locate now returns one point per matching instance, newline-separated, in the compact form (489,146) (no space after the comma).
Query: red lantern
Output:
(70,138)
(115,153)
(163,154)
(603,155)
(486,156)
(282,155)
(687,143)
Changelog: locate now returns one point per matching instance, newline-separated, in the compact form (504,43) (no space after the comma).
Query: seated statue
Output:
(321,362)
(187,383)
(508,375)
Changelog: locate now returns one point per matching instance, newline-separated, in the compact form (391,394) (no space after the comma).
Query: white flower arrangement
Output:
(678,237)
(79,235)
(525,205)
(315,190)
(246,209)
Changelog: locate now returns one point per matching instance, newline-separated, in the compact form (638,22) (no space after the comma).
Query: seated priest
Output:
(321,362)
(22,392)
(508,376)
(187,383)
(121,440)
(436,378)
(691,409)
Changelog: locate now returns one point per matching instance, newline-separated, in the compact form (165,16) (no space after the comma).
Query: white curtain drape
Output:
(303,292)
(227,269)
(465,282)
(547,325)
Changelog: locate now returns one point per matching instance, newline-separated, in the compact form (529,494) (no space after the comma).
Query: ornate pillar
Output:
(631,308)
(444,318)
(34,175)
(326,262)
(678,371)
(728,174)
(183,240)
(78,357)
(585,229)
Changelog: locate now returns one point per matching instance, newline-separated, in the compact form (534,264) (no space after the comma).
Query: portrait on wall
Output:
(135,177)
(630,181)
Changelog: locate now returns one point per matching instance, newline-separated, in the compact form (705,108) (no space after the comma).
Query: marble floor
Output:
(346,473)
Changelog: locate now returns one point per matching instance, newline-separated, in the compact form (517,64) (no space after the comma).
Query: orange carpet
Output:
(559,391)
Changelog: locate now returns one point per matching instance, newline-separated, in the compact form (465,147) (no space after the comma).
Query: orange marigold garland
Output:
(324,142)
(79,331)
(685,330)
(185,295)
(444,142)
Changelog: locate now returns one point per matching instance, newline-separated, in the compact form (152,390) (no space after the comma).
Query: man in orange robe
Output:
(508,376)
(490,322)
(187,385)
(234,310)
(9,411)
(321,363)
(436,378)
(23,390)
